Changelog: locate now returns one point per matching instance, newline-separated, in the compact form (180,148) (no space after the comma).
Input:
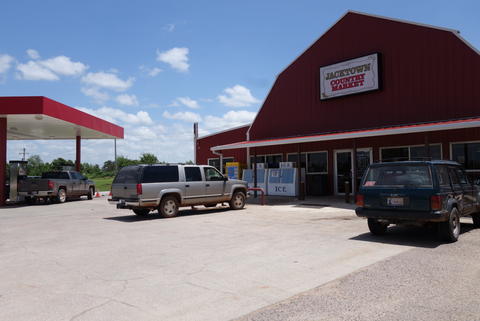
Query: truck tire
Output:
(141,211)
(450,230)
(61,195)
(91,193)
(238,200)
(168,207)
(376,227)
(476,219)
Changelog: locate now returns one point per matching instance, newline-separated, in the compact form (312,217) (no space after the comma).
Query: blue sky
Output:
(154,67)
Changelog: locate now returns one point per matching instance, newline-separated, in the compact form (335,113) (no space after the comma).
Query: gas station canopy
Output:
(30,118)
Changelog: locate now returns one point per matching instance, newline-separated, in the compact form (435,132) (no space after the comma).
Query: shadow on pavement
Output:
(426,237)
(155,216)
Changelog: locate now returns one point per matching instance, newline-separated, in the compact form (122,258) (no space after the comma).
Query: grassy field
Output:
(102,183)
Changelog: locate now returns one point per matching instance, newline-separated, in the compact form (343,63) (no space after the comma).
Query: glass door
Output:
(343,170)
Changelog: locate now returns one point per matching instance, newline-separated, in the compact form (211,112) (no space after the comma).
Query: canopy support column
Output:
(3,158)
(78,153)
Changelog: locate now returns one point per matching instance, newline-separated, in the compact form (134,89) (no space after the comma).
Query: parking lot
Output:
(86,260)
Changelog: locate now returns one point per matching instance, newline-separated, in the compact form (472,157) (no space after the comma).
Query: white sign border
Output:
(376,70)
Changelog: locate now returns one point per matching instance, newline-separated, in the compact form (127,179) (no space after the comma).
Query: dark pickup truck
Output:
(56,186)
(418,192)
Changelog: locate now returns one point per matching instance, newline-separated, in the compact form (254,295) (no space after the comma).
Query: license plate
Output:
(395,201)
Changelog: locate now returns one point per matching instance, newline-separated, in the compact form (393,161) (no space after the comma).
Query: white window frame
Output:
(278,154)
(215,158)
(463,142)
(408,146)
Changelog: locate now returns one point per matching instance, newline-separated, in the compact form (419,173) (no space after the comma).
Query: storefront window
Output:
(273,161)
(260,159)
(467,154)
(420,152)
(317,162)
(294,158)
(395,154)
(215,162)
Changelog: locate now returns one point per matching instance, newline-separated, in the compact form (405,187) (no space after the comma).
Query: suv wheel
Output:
(168,207)
(141,211)
(476,219)
(450,230)
(238,201)
(376,227)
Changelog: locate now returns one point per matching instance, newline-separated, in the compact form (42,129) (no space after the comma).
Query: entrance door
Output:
(344,168)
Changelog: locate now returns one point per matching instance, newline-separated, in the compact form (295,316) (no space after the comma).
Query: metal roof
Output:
(31,118)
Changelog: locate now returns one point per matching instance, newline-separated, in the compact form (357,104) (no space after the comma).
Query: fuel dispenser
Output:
(18,171)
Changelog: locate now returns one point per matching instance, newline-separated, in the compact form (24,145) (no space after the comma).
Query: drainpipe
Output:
(248,151)
(221,160)
(195,138)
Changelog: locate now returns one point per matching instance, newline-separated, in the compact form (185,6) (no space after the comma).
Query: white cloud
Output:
(186,101)
(107,80)
(169,27)
(184,116)
(5,63)
(231,119)
(127,100)
(177,58)
(96,94)
(152,72)
(237,96)
(33,54)
(116,115)
(64,66)
(34,71)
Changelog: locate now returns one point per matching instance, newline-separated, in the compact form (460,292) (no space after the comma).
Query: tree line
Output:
(36,166)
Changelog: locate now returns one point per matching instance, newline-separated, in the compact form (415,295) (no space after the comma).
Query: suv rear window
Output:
(398,176)
(127,175)
(160,174)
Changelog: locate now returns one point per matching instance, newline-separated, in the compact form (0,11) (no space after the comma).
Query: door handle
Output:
(187,185)
(207,185)
(124,187)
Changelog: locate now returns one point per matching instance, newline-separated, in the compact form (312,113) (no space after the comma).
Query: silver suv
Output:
(144,188)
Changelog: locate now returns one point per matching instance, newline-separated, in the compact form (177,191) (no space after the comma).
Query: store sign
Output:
(349,77)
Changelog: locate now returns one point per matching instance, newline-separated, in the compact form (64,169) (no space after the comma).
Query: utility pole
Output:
(23,153)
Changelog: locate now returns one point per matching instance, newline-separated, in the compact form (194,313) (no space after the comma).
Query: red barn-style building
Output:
(369,89)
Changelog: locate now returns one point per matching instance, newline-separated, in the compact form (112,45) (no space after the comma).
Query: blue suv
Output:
(418,192)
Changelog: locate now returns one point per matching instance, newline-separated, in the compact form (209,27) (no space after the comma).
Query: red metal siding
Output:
(428,75)
(234,135)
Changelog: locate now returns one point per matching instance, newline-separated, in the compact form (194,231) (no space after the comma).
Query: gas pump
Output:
(18,171)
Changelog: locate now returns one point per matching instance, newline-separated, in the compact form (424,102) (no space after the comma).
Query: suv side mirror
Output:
(225,178)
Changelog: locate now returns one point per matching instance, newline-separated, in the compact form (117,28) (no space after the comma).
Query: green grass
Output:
(102,183)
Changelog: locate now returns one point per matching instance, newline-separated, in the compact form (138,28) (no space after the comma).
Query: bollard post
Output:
(347,192)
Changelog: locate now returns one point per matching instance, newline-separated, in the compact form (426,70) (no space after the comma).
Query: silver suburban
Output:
(166,187)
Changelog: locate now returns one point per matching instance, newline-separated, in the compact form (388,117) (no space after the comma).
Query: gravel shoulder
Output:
(437,282)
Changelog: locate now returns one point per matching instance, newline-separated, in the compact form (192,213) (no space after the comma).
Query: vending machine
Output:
(261,178)
(283,181)
(233,170)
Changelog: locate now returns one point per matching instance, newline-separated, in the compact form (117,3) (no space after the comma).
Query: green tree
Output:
(58,163)
(108,166)
(123,161)
(148,158)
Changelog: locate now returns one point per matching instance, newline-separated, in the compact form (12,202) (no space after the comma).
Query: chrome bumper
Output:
(122,204)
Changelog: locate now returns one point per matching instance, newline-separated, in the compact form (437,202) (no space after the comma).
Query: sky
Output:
(156,67)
